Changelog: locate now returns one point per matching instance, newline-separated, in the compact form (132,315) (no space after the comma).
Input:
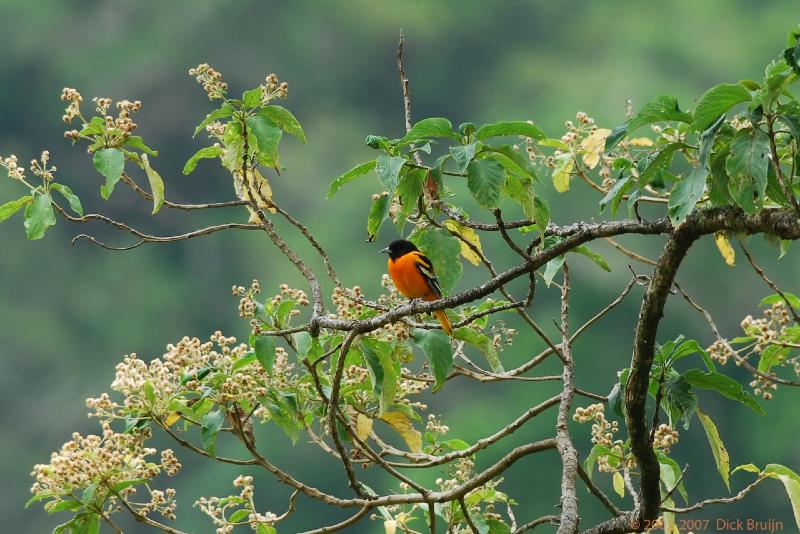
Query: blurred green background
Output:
(68,314)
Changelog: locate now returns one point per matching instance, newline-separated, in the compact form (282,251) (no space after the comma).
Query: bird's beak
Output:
(384,250)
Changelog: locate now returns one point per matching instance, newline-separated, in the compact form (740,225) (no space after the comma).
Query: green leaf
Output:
(616,135)
(615,194)
(594,454)
(671,474)
(483,343)
(226,110)
(96,126)
(378,213)
(484,179)
(723,385)
(660,109)
(439,352)
(349,176)
(551,268)
(69,196)
(284,119)
(717,101)
(594,256)
(408,190)
(283,412)
(428,128)
(268,136)
(39,216)
(443,249)
(252,98)
(541,213)
(204,153)
(510,128)
(383,371)
(688,191)
(239,515)
(791,482)
(793,300)
(679,401)
(149,392)
(211,423)
(65,506)
(156,184)
(718,449)
(520,189)
(303,341)
(388,170)
(263,528)
(771,356)
(747,168)
(265,352)
(687,348)
(10,208)
(135,141)
(750,468)
(234,144)
(110,162)
(513,161)
(464,154)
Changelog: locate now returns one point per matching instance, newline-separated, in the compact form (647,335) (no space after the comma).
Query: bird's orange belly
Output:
(408,280)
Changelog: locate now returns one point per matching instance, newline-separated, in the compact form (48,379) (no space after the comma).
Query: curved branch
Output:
(174,205)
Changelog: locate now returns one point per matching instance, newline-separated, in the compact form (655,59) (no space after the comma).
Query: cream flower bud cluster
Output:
(211,80)
(105,460)
(218,509)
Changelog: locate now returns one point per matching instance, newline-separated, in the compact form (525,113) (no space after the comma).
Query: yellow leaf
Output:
(793,490)
(156,184)
(640,141)
(258,184)
(562,171)
(172,419)
(390,526)
(669,519)
(619,484)
(403,426)
(592,147)
(721,457)
(469,235)
(725,248)
(363,426)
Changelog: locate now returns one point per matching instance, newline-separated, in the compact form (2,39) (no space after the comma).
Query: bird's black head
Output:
(399,248)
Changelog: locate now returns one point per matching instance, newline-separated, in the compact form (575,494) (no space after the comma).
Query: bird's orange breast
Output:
(407,278)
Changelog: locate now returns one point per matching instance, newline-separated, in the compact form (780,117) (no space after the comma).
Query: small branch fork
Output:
(779,222)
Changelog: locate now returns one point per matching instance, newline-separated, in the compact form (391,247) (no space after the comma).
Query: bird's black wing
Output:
(425,267)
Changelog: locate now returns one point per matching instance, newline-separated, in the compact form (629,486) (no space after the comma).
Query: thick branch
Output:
(642,361)
(569,456)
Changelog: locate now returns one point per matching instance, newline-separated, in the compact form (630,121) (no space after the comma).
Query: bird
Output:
(413,276)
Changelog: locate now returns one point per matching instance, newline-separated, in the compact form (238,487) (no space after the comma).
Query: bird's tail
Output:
(441,315)
(446,326)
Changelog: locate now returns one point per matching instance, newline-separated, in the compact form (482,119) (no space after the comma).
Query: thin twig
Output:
(739,359)
(551,519)
(597,492)
(724,500)
(769,282)
(341,525)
